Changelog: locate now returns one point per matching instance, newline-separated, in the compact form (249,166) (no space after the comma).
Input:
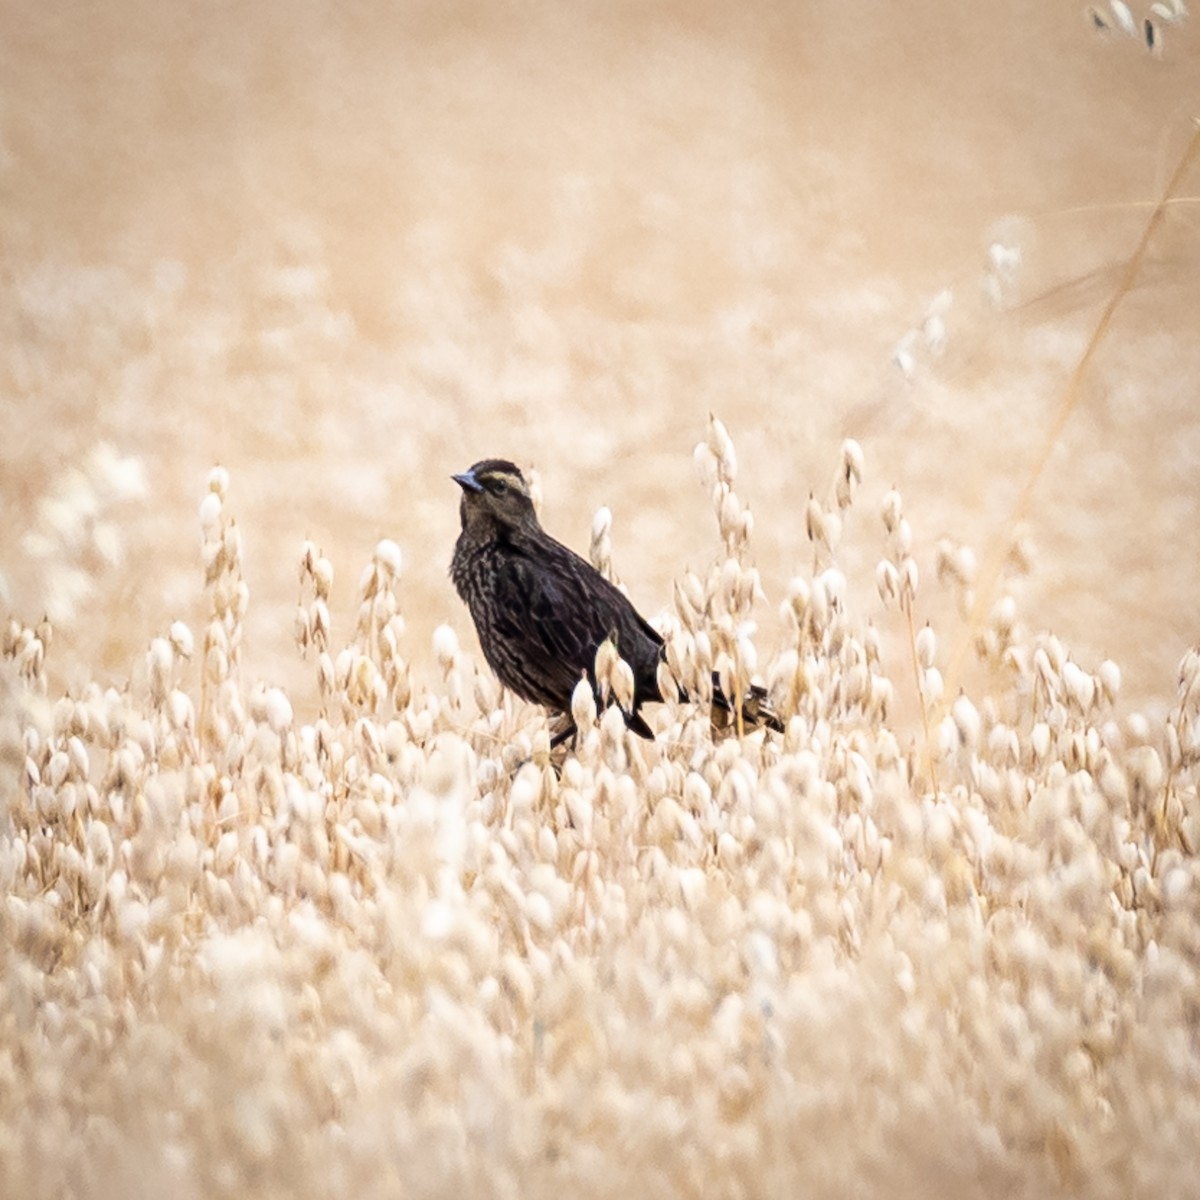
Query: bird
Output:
(542,611)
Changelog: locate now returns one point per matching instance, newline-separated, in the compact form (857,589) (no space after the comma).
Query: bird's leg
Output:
(561,736)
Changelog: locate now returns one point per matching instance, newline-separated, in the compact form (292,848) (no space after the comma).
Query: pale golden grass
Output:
(398,951)
(1073,391)
(357,936)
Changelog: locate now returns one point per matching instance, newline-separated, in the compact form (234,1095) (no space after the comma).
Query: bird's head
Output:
(494,490)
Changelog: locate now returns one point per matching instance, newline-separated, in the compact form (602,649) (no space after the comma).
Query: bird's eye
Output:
(496,486)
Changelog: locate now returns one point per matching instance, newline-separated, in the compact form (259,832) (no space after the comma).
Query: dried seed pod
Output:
(231,544)
(181,639)
(667,686)
(368,585)
(622,683)
(966,721)
(1004,748)
(893,510)
(1079,686)
(926,646)
(606,659)
(77,753)
(798,601)
(1108,676)
(729,514)
(218,481)
(726,673)
(1040,741)
(819,608)
(387,557)
(210,512)
(933,330)
(1123,17)
(832,583)
(690,591)
(850,474)
(1045,672)
(729,587)
(445,647)
(160,659)
(583,705)
(706,464)
(814,519)
(301,628)
(600,550)
(1172,13)
(320,624)
(721,445)
(1189,680)
(59,768)
(612,734)
(278,710)
(1004,614)
(887,580)
(322,577)
(746,650)
(784,680)
(180,712)
(872,645)
(31,660)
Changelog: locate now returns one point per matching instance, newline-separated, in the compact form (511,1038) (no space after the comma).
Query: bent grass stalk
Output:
(990,575)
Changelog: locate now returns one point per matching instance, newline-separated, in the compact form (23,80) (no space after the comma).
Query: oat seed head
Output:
(351,939)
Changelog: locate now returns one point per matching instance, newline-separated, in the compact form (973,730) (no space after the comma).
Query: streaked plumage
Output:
(541,611)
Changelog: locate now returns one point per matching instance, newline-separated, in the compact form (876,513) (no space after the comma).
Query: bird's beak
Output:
(468,482)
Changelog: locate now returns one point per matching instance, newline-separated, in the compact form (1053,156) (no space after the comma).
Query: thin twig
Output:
(1071,395)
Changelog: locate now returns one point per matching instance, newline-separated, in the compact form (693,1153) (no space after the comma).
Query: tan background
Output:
(348,249)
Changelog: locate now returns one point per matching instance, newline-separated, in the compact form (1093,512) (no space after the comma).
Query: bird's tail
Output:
(757,712)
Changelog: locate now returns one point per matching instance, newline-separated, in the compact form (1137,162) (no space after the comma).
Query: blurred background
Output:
(346,249)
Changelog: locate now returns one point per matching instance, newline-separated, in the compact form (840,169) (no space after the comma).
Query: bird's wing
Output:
(549,614)
(602,610)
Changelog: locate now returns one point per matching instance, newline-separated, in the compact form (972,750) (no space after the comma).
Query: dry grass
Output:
(348,930)
(396,246)
(395,951)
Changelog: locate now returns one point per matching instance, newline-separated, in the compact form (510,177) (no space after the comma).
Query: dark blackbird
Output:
(541,611)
